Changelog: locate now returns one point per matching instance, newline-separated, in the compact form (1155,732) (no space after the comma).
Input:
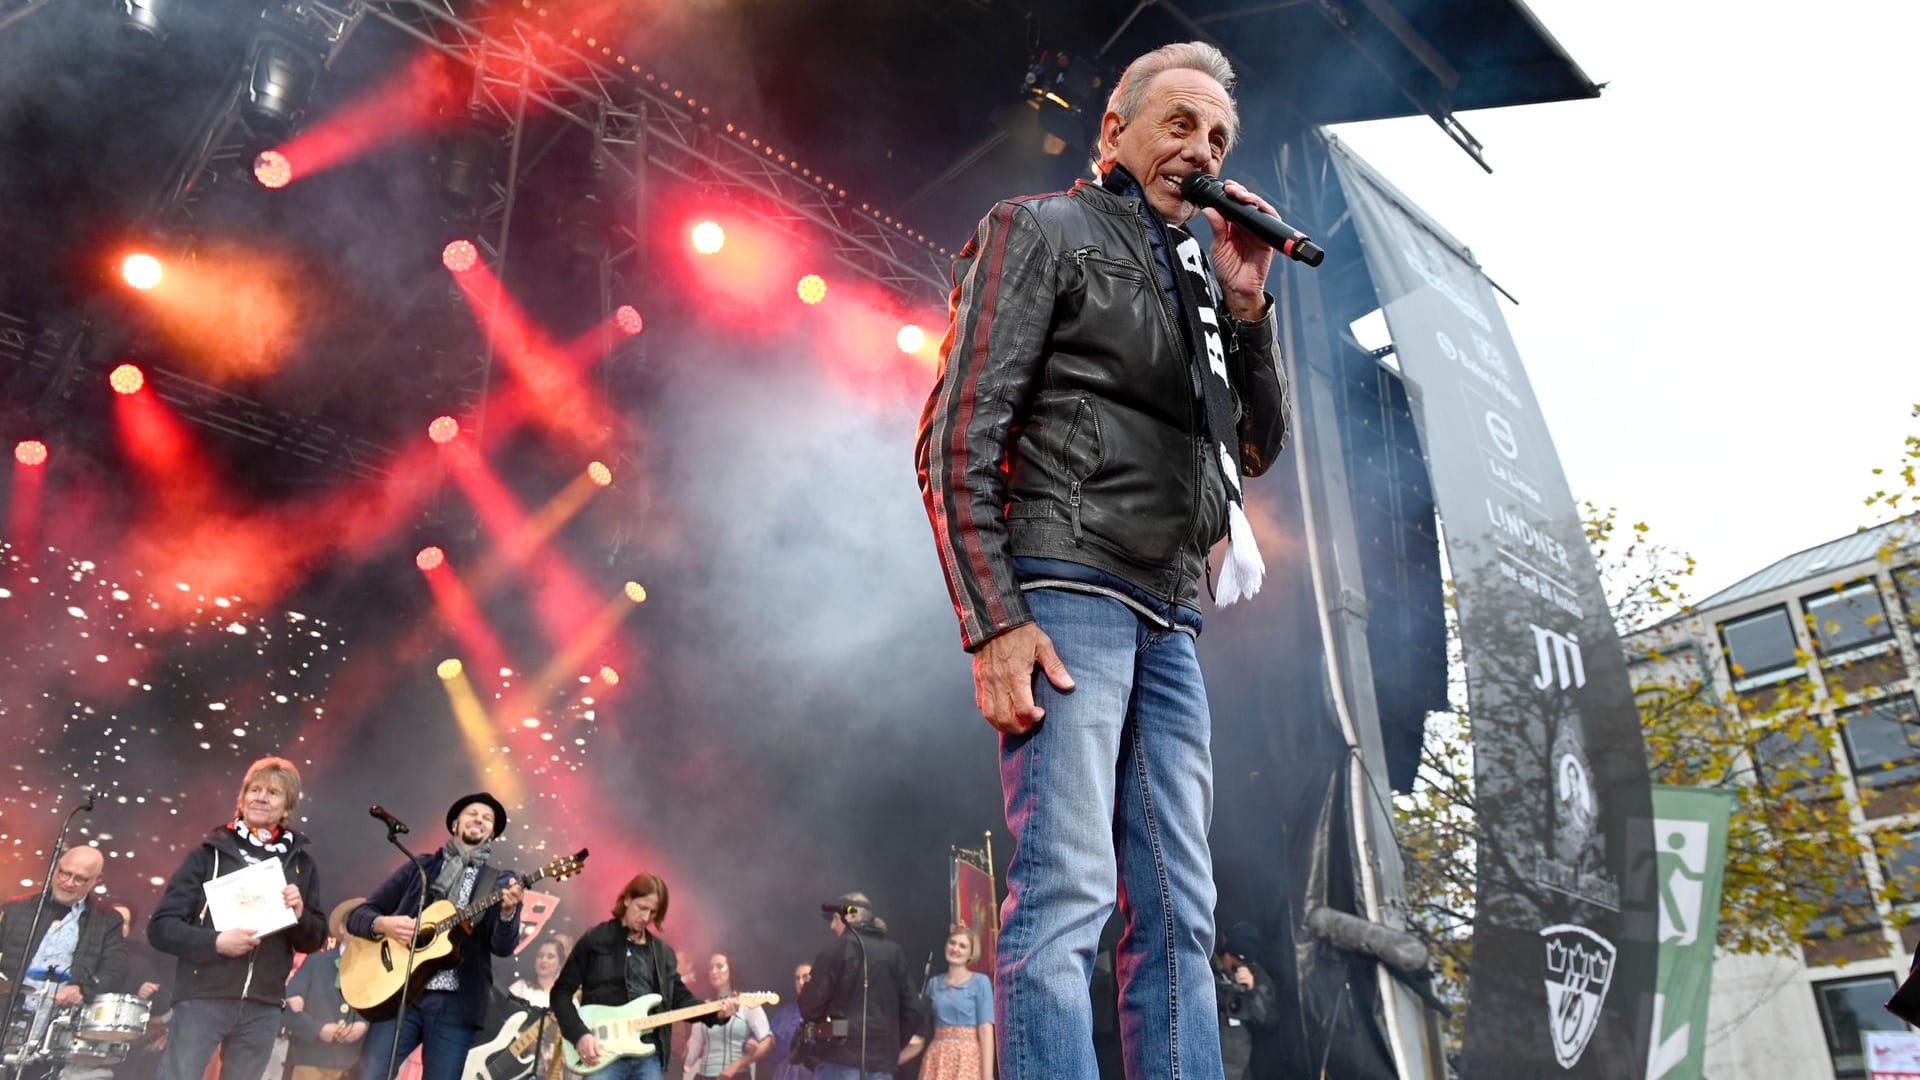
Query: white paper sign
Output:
(251,899)
(1893,1055)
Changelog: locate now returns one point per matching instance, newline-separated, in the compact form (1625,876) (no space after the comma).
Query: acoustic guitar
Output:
(374,970)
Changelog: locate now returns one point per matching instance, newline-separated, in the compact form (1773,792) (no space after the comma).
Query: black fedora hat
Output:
(486,799)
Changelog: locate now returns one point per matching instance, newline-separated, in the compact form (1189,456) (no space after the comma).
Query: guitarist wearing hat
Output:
(447,1015)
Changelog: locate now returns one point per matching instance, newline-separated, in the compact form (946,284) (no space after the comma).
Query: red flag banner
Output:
(976,907)
(535,909)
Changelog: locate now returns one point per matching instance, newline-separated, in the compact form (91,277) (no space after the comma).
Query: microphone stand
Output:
(394,829)
(33,927)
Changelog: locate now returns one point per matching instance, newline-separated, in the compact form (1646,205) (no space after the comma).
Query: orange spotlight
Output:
(141,270)
(910,338)
(30,452)
(636,593)
(450,668)
(812,289)
(127,379)
(609,676)
(600,474)
(443,430)
(708,237)
(627,318)
(272,169)
(430,558)
(460,256)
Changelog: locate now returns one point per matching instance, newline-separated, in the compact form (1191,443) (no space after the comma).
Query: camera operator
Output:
(1246,998)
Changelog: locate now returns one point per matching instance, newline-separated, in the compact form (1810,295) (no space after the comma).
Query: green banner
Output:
(1690,850)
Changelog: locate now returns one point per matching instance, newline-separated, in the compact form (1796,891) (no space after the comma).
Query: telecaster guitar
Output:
(373,971)
(617,1028)
(509,1054)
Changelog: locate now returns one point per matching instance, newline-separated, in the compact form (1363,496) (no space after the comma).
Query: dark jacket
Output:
(491,936)
(179,924)
(1064,423)
(889,1011)
(597,967)
(1242,1012)
(99,957)
(317,985)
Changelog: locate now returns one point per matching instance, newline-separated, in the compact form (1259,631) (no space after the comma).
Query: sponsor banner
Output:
(976,907)
(1689,855)
(1892,1055)
(1564,954)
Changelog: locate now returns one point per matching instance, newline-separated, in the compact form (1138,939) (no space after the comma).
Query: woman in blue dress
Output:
(962,1047)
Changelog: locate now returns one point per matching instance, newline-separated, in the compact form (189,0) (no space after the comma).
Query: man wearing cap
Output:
(445,1018)
(228,984)
(1246,995)
(325,1036)
(862,979)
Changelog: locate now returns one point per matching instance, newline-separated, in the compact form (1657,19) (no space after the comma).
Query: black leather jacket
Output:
(1064,423)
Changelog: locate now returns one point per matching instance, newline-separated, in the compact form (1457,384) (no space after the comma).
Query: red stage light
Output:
(127,379)
(272,169)
(450,669)
(910,338)
(609,676)
(460,256)
(142,271)
(627,318)
(708,237)
(812,289)
(430,558)
(600,474)
(444,429)
(30,452)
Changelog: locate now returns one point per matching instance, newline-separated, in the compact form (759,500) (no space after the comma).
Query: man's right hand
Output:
(235,942)
(396,927)
(1003,677)
(589,1048)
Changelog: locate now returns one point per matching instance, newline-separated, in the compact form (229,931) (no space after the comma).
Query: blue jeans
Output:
(1108,799)
(437,1024)
(847,1072)
(243,1032)
(631,1068)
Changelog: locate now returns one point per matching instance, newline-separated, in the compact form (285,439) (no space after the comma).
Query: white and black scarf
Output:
(1243,570)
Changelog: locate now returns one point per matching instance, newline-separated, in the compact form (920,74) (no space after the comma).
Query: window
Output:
(1906,581)
(1799,766)
(1900,865)
(1883,741)
(1761,648)
(1847,617)
(1849,1007)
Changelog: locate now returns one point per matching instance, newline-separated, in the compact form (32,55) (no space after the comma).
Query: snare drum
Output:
(115,1018)
(98,1052)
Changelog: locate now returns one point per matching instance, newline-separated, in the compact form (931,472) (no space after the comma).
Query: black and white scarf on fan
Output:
(1243,570)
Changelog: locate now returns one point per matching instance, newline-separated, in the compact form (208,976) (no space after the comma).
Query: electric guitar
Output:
(374,971)
(617,1028)
(509,1054)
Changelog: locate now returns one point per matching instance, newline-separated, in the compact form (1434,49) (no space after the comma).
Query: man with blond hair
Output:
(1103,389)
(229,984)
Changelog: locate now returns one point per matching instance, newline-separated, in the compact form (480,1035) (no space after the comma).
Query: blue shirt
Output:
(967,1005)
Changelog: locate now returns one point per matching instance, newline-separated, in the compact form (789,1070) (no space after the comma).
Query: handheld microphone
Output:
(1205,189)
(393,823)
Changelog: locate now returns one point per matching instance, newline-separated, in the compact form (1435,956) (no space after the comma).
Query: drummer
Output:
(77,950)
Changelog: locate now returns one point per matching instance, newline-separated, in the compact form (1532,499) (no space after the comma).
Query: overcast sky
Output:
(1714,260)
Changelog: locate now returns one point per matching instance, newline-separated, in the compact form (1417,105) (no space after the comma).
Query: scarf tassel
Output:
(1244,569)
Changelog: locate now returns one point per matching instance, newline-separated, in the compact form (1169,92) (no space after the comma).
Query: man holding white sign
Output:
(231,977)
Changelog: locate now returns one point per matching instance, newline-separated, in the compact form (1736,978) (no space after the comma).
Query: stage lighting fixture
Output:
(599,474)
(127,379)
(627,318)
(609,676)
(1070,94)
(30,452)
(636,593)
(443,429)
(280,80)
(140,19)
(450,669)
(466,168)
(708,237)
(910,338)
(140,270)
(272,169)
(812,289)
(430,558)
(460,256)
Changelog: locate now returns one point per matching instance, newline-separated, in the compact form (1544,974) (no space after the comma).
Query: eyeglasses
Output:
(77,879)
